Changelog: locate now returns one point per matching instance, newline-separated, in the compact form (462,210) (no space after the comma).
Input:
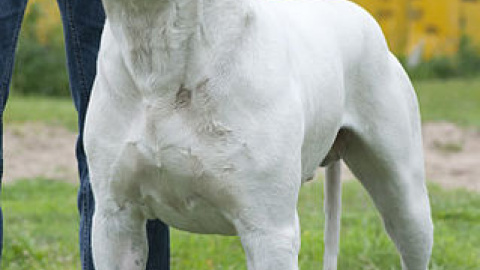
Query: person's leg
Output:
(11,15)
(83,24)
(159,246)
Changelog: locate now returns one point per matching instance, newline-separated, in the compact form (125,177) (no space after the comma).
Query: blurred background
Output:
(433,39)
(40,66)
(437,41)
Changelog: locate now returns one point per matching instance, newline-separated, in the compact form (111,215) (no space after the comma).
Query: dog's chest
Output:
(177,168)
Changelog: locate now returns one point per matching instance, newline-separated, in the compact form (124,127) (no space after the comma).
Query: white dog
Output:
(209,115)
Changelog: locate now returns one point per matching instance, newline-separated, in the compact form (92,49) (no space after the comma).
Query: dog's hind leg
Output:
(384,151)
(119,239)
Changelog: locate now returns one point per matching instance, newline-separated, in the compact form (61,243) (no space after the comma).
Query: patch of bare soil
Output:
(34,150)
(452,154)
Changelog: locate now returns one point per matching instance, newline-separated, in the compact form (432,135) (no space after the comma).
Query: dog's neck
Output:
(161,36)
(170,24)
(136,19)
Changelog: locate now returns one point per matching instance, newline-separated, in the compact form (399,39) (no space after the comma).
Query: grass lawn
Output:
(55,111)
(41,232)
(456,101)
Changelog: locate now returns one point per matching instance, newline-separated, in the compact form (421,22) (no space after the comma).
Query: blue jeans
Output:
(83,24)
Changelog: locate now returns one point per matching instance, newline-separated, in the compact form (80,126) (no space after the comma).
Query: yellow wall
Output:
(470,20)
(391,16)
(432,26)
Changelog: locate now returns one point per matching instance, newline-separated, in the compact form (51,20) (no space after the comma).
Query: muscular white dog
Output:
(209,115)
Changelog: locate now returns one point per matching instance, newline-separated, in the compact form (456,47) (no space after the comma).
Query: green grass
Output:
(55,111)
(40,220)
(456,101)
(41,232)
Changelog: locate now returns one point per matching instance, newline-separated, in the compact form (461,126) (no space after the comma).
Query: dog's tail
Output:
(332,208)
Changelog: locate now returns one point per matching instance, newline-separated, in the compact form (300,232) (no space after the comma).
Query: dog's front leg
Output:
(119,238)
(272,248)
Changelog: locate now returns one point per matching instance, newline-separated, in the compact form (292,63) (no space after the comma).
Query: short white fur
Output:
(210,114)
